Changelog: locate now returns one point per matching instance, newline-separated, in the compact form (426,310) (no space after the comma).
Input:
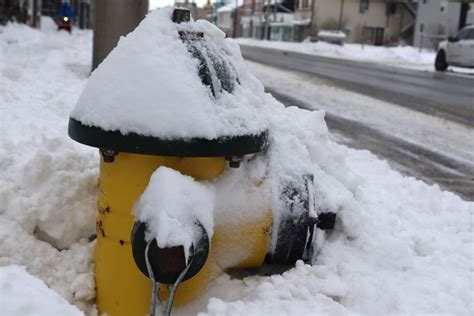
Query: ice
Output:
(171,205)
(23,294)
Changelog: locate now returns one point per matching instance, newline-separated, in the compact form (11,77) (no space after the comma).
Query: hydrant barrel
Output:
(121,288)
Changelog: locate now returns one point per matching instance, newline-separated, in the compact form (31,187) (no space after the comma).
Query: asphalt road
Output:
(446,95)
(410,159)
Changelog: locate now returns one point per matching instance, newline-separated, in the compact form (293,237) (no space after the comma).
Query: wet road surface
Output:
(450,96)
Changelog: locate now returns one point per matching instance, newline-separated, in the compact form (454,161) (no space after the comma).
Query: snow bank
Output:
(23,294)
(400,56)
(48,183)
(149,84)
(402,247)
(171,205)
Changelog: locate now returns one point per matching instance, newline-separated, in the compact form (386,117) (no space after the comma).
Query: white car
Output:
(456,51)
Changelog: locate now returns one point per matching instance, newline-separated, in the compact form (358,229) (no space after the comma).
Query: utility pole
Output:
(235,18)
(267,22)
(341,12)
(112,19)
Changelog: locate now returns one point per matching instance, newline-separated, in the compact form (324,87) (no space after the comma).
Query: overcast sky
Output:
(161,3)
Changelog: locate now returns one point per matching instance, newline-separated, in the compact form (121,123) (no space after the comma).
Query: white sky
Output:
(161,3)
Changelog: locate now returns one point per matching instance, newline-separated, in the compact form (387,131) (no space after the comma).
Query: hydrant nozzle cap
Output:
(181,15)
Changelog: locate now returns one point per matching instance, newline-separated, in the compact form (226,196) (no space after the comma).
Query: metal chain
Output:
(154,284)
(169,303)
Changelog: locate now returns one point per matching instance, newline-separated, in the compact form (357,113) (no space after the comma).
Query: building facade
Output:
(375,22)
(371,21)
(438,19)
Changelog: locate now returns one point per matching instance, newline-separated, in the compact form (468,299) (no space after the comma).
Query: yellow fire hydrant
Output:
(125,262)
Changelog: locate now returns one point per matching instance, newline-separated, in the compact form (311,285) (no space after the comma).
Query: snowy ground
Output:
(400,246)
(400,56)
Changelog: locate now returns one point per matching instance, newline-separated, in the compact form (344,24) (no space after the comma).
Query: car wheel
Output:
(440,61)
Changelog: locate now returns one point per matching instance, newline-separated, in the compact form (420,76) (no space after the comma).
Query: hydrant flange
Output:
(224,146)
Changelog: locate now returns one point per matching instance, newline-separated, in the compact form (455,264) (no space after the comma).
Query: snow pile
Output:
(332,34)
(48,183)
(171,205)
(150,84)
(400,56)
(399,247)
(23,294)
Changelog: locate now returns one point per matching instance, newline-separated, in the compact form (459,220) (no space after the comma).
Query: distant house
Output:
(268,19)
(196,12)
(374,22)
(228,18)
(252,19)
(13,10)
(30,11)
(302,19)
(438,19)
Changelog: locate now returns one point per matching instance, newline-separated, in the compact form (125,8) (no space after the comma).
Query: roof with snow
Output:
(229,7)
(166,83)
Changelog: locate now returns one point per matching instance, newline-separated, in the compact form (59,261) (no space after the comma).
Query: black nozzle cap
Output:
(181,15)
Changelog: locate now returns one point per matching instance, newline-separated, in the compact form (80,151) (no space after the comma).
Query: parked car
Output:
(456,51)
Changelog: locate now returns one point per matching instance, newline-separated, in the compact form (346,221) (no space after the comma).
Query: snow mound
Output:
(150,85)
(400,56)
(23,294)
(171,205)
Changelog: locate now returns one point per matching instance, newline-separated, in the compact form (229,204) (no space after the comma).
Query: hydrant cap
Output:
(173,89)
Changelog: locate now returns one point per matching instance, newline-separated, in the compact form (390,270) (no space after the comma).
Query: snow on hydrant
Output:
(197,174)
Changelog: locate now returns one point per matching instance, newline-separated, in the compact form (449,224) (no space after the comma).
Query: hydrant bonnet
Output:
(222,115)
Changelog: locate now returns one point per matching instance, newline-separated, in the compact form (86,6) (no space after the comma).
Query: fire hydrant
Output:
(125,261)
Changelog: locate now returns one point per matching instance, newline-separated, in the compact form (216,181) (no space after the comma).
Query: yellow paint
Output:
(121,288)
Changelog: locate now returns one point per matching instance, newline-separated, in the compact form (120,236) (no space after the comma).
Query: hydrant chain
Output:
(154,285)
(169,303)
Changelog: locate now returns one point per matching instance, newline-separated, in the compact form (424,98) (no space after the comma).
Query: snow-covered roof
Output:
(301,22)
(230,6)
(333,34)
(150,84)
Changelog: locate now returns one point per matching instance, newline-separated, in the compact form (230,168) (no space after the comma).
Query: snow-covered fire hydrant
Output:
(183,186)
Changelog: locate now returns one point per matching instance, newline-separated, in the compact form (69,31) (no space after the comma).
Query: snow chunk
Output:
(150,85)
(23,294)
(171,205)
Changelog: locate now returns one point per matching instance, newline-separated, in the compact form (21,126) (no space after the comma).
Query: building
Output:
(438,19)
(30,11)
(252,19)
(374,22)
(13,10)
(228,17)
(196,12)
(268,19)
(302,20)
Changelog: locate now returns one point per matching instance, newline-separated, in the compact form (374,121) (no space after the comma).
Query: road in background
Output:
(436,149)
(445,95)
(408,158)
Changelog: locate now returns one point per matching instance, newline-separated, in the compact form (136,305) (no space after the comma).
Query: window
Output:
(464,34)
(302,4)
(471,34)
(363,6)
(391,8)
